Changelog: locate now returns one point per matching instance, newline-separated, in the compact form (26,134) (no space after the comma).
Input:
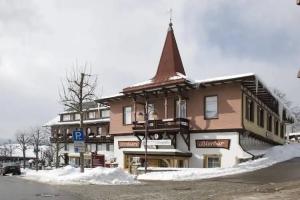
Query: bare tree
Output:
(23,139)
(38,138)
(54,149)
(10,147)
(78,88)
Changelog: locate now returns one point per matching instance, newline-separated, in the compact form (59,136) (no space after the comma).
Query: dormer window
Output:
(67,117)
(92,115)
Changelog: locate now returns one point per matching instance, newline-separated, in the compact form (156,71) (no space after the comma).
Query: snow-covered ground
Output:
(71,175)
(113,176)
(274,155)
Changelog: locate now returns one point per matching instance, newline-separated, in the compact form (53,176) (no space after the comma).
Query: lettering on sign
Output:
(220,143)
(129,144)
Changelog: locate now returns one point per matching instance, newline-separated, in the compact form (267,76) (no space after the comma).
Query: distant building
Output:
(95,126)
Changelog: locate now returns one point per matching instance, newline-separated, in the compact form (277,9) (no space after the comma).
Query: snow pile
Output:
(273,155)
(71,175)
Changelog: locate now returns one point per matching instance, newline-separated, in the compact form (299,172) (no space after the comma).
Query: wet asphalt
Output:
(13,188)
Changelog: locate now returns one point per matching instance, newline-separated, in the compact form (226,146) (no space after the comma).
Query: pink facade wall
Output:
(229,105)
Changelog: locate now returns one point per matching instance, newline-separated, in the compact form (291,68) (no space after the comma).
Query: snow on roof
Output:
(52,121)
(294,134)
(90,109)
(112,96)
(56,121)
(181,76)
(222,78)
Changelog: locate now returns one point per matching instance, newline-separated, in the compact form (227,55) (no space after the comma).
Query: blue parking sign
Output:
(78,136)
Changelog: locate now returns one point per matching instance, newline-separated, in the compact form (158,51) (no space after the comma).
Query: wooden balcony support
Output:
(166,128)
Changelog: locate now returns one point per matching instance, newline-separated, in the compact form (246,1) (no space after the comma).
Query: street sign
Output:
(79,146)
(157,142)
(78,136)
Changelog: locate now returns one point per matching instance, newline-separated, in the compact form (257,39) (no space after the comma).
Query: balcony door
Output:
(151,111)
(181,109)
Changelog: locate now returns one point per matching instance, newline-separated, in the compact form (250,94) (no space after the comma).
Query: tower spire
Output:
(170,63)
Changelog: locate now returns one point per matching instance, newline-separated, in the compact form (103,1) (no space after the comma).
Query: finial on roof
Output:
(170,24)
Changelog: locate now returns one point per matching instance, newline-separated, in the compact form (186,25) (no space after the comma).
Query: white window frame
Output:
(77,116)
(181,111)
(92,115)
(66,117)
(211,105)
(127,115)
(105,116)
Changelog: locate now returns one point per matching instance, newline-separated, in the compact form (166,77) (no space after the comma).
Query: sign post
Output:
(79,144)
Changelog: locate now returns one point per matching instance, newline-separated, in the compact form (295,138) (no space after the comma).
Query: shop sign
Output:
(218,143)
(157,142)
(129,144)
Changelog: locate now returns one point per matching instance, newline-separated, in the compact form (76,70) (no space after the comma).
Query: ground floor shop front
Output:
(207,150)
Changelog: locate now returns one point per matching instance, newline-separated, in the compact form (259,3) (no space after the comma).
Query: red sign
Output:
(129,144)
(98,160)
(221,143)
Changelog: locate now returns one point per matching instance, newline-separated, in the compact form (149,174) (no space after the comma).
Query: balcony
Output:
(89,139)
(163,125)
(92,138)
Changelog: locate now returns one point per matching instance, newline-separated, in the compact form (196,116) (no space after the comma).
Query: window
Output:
(260,117)
(99,131)
(211,107)
(92,115)
(66,117)
(88,131)
(105,113)
(269,123)
(68,132)
(77,116)
(151,111)
(181,109)
(127,115)
(276,127)
(212,161)
(249,109)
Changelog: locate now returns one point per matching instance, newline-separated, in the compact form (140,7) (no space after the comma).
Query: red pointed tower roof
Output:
(170,70)
(170,63)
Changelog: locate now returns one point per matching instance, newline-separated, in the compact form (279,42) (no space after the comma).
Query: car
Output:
(10,168)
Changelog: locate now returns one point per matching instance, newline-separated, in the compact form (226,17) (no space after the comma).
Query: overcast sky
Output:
(122,42)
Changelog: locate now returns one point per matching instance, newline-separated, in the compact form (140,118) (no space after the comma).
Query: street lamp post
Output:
(146,135)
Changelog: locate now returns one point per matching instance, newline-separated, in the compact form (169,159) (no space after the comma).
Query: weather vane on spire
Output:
(171,16)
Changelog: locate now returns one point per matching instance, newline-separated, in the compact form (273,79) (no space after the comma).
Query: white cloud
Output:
(122,41)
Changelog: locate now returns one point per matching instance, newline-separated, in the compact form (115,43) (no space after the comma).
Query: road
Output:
(13,188)
(281,181)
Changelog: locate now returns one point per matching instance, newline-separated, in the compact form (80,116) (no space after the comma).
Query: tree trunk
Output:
(57,155)
(24,157)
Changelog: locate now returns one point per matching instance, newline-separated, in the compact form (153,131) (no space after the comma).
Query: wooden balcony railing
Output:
(88,139)
(171,124)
